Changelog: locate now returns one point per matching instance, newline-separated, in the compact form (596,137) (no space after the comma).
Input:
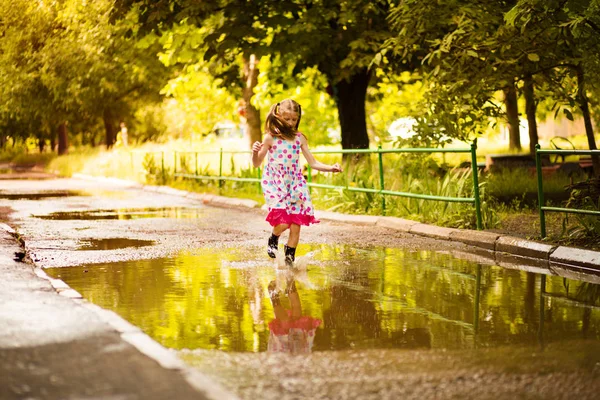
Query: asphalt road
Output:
(53,347)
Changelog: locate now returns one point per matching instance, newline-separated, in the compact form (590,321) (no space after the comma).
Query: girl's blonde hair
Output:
(276,125)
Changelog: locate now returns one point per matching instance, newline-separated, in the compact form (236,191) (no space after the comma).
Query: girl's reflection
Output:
(290,331)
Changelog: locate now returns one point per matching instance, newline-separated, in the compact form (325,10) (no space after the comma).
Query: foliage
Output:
(391,98)
(64,60)
(338,38)
(584,196)
(152,171)
(519,188)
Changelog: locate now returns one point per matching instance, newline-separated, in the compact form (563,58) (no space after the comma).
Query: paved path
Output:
(55,345)
(60,346)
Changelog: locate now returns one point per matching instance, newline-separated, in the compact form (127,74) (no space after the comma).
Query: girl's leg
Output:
(294,236)
(290,249)
(278,309)
(279,229)
(273,242)
(295,304)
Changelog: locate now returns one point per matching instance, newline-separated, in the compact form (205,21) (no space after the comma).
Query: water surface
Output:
(125,214)
(361,298)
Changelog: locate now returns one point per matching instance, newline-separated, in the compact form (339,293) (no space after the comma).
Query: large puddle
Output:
(340,298)
(125,214)
(114,244)
(40,195)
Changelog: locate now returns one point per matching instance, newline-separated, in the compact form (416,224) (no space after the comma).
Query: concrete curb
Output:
(584,260)
(508,250)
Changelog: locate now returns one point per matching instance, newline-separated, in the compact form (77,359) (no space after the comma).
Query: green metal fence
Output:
(475,200)
(541,201)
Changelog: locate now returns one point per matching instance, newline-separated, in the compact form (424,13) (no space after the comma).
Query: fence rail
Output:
(475,200)
(542,208)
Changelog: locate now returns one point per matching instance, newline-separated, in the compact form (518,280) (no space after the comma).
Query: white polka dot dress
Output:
(284,186)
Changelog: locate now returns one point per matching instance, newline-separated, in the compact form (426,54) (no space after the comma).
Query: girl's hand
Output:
(256,147)
(336,168)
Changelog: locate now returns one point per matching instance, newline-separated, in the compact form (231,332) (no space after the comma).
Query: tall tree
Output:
(339,38)
(566,46)
(64,59)
(530,111)
(512,115)
(465,52)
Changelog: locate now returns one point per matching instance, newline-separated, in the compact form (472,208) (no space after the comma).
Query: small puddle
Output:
(124,214)
(339,298)
(40,195)
(114,244)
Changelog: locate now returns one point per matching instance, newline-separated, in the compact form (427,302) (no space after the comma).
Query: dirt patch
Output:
(527,225)
(4,213)
(10,171)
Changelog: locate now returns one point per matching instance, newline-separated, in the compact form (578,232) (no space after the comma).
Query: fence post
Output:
(309,177)
(196,154)
(381,181)
(259,176)
(476,184)
(541,202)
(477,299)
(542,310)
(220,167)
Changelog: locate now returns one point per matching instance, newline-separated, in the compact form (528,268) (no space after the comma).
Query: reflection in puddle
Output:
(344,298)
(125,214)
(40,195)
(114,244)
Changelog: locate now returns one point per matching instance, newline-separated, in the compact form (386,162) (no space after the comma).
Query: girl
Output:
(290,331)
(283,184)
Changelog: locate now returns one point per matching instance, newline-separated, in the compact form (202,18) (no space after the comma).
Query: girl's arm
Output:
(259,150)
(314,164)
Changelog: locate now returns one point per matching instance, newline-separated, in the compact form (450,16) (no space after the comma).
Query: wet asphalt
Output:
(56,346)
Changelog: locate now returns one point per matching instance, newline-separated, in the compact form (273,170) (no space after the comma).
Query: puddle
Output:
(40,195)
(124,214)
(344,298)
(114,244)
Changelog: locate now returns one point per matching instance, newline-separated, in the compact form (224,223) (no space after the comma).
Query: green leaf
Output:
(533,57)
(568,114)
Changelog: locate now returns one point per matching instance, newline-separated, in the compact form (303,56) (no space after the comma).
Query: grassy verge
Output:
(509,197)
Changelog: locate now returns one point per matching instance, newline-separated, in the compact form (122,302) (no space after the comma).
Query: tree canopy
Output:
(457,67)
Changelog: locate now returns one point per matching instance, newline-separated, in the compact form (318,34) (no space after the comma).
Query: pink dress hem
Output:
(278,216)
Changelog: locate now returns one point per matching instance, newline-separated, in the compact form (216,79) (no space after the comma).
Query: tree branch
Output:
(593,25)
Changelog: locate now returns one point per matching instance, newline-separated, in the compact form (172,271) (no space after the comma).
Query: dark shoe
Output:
(290,256)
(273,246)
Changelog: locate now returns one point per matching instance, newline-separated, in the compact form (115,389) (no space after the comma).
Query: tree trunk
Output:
(41,143)
(512,115)
(251,114)
(63,142)
(530,109)
(110,128)
(350,96)
(587,120)
(52,141)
